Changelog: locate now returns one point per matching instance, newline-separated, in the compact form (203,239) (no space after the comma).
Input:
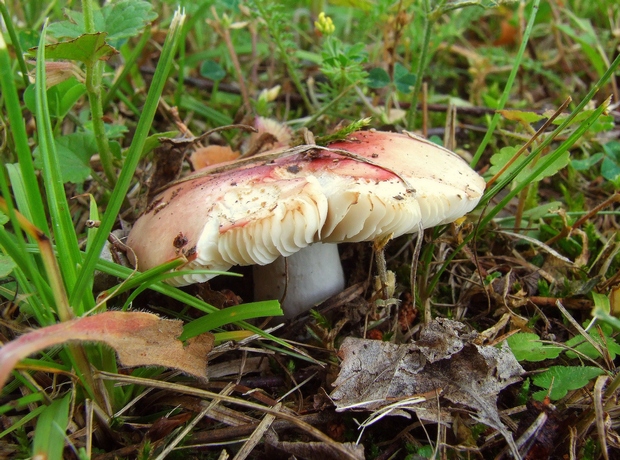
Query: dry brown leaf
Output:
(445,361)
(139,338)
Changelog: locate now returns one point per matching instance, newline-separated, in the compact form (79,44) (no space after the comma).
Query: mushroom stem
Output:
(301,280)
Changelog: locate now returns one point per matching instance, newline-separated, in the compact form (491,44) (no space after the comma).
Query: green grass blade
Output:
(35,209)
(8,22)
(509,83)
(49,434)
(22,402)
(23,421)
(503,182)
(63,231)
(30,281)
(217,118)
(133,157)
(230,315)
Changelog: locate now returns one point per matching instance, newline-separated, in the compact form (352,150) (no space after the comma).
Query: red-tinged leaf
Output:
(140,339)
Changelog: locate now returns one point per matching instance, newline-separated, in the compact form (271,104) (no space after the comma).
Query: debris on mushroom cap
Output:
(275,206)
(211,155)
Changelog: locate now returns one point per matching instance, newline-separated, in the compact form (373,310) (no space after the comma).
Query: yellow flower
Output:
(324,24)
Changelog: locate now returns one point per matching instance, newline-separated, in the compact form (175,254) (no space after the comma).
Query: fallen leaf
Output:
(446,361)
(139,338)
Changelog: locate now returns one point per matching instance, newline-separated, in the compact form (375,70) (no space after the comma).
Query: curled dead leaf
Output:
(445,361)
(139,339)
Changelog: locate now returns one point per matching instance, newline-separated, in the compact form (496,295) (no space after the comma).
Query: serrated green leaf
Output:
(6,266)
(526,346)
(120,20)
(562,379)
(74,153)
(378,78)
(86,48)
(66,29)
(127,18)
(73,27)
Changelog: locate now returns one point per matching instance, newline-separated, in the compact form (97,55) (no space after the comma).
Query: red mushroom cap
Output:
(274,207)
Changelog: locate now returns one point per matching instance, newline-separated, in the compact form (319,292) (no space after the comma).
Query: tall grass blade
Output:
(62,225)
(133,157)
(35,209)
(511,78)
(49,434)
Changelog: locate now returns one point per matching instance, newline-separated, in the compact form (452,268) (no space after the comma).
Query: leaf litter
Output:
(446,362)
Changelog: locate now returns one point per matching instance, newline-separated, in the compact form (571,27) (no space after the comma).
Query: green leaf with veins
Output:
(120,20)
(74,153)
(73,27)
(527,346)
(499,159)
(562,379)
(127,18)
(579,344)
(87,48)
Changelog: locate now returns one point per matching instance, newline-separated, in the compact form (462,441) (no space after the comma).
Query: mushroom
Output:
(251,212)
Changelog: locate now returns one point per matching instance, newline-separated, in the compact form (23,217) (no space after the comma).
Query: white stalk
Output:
(301,280)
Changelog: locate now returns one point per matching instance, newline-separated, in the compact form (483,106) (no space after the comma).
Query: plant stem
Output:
(36,209)
(419,74)
(223,30)
(511,79)
(284,55)
(94,73)
(330,104)
(15,41)
(89,16)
